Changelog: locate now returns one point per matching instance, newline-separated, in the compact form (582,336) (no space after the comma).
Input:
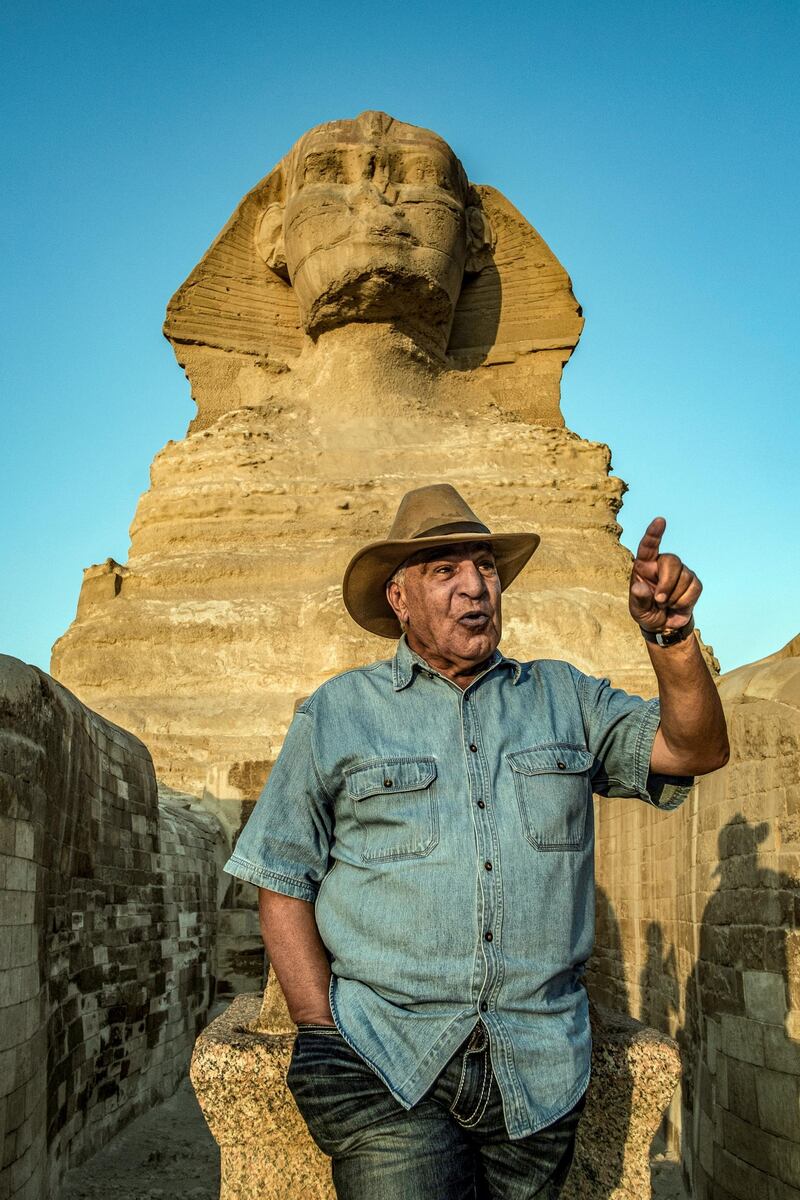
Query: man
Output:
(424,850)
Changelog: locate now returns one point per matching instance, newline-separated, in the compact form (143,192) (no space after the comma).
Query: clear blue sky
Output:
(653,145)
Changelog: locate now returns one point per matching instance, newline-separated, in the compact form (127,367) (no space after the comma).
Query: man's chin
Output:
(477,644)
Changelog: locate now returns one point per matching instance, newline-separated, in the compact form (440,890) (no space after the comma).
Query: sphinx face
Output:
(375,226)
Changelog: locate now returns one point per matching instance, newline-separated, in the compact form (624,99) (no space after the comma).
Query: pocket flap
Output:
(561,760)
(389,775)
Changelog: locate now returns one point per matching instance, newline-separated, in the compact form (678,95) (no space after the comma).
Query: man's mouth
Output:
(475,619)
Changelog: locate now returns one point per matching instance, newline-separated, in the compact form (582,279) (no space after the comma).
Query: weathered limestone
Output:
(698,935)
(367,322)
(634,1075)
(238,1072)
(107,914)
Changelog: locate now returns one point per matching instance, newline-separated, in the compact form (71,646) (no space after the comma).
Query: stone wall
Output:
(698,935)
(107,911)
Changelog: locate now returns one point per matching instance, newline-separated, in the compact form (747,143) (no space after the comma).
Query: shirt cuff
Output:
(662,791)
(273,881)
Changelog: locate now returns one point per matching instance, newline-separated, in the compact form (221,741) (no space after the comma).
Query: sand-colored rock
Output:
(635,1071)
(239,1076)
(367,322)
(239,1069)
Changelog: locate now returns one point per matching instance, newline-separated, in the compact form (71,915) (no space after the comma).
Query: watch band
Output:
(669,637)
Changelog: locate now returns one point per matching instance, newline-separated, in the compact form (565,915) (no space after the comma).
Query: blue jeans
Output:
(452,1145)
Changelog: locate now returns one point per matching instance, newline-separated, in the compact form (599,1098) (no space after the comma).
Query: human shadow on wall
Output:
(659,1007)
(739,1002)
(659,989)
(606,980)
(600,1153)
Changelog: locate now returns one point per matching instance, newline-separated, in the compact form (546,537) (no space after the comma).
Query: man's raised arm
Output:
(692,738)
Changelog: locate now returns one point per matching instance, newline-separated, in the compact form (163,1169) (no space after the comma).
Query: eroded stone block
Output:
(238,1072)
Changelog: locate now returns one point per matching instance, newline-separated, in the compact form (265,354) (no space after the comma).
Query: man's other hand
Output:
(663,590)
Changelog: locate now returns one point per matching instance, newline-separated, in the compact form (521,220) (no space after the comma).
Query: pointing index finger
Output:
(648,546)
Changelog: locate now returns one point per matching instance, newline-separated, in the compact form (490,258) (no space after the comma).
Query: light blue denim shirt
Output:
(446,840)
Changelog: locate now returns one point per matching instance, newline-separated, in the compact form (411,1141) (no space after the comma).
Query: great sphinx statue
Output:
(367,321)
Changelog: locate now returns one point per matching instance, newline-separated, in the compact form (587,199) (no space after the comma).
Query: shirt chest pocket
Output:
(554,792)
(395,806)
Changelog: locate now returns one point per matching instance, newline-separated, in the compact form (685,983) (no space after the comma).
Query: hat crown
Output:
(428,517)
(435,509)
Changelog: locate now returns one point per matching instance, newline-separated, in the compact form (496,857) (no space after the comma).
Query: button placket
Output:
(489,890)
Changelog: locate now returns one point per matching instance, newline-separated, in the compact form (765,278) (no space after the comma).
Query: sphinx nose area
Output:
(371,192)
(375,185)
(367,193)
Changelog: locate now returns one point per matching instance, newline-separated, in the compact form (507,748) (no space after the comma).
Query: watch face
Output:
(667,637)
(674,635)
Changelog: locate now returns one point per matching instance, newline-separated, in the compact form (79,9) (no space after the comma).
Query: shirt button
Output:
(484,1006)
(481,804)
(387,783)
(561,766)
(488,865)
(489,935)
(473,748)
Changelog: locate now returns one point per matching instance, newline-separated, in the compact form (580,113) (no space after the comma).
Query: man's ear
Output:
(480,235)
(269,240)
(396,600)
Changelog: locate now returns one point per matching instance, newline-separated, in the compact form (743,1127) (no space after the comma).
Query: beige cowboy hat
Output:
(427,517)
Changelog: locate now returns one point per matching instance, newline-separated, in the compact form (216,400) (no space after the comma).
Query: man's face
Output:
(450,606)
(374,224)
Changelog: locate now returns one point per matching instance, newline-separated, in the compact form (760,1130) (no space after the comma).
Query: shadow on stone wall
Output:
(734,1016)
(606,976)
(658,982)
(706,902)
(617,1111)
(741,1092)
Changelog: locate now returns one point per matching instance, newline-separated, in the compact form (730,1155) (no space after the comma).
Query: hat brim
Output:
(364,584)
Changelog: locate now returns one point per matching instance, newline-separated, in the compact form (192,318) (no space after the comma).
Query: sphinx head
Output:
(377,223)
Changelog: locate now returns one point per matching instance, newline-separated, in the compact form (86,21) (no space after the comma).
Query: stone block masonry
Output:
(107,914)
(698,935)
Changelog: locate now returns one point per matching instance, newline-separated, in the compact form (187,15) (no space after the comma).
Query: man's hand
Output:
(691,738)
(663,591)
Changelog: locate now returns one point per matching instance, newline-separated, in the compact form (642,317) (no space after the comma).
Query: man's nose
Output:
(472,581)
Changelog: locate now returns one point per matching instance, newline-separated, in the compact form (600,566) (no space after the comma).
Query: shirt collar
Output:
(406,663)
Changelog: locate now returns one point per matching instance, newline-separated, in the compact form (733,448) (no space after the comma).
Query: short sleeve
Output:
(285,844)
(620,730)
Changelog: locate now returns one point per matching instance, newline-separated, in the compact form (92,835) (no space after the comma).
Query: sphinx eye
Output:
(323,168)
(417,170)
(442,179)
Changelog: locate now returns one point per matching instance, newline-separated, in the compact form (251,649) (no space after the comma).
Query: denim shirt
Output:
(446,840)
